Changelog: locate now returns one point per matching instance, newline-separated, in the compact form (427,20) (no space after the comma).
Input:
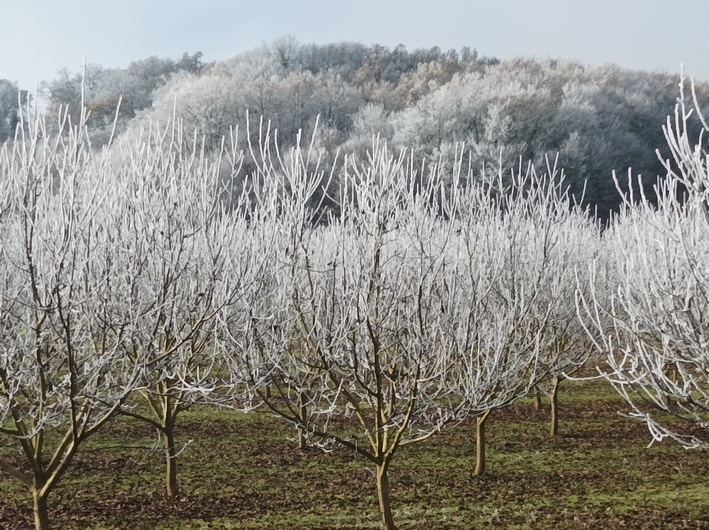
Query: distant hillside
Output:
(595,119)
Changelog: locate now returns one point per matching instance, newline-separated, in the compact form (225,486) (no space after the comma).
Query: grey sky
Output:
(38,37)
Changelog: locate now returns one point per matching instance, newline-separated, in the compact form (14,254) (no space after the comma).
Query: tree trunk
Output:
(554,426)
(480,443)
(383,493)
(537,399)
(170,461)
(41,510)
(303,405)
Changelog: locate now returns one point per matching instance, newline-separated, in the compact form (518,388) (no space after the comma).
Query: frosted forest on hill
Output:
(596,119)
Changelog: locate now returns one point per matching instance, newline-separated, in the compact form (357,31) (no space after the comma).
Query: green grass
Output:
(243,472)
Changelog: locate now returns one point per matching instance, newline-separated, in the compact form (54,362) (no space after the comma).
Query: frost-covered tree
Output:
(184,235)
(97,95)
(517,271)
(345,330)
(111,94)
(370,121)
(205,108)
(379,327)
(66,288)
(559,240)
(653,328)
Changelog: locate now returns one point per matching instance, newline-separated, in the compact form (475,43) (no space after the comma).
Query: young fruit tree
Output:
(361,334)
(559,240)
(350,327)
(65,311)
(654,330)
(510,279)
(192,243)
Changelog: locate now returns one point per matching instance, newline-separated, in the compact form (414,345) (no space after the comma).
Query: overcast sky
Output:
(38,37)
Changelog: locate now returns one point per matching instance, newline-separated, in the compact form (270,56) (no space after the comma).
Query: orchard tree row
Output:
(140,280)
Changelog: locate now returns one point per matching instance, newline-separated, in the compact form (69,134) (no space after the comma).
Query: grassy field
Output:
(244,472)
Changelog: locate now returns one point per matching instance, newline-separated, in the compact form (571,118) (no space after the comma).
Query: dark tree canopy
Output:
(11,101)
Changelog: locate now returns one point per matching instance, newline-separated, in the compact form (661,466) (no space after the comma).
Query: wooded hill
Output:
(499,113)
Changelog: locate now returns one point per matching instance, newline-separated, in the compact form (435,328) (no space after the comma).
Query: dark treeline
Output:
(502,113)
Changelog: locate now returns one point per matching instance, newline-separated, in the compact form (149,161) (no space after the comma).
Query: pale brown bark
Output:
(303,406)
(537,399)
(41,509)
(171,462)
(480,462)
(554,425)
(384,495)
